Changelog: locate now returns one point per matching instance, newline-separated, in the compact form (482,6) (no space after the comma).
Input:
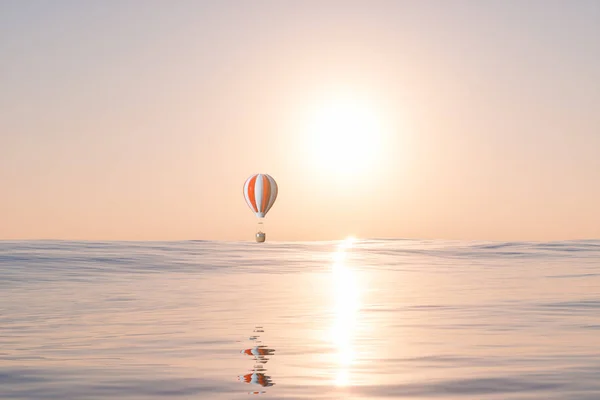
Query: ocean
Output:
(348,319)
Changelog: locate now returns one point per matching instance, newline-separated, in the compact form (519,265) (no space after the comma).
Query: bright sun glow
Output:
(345,136)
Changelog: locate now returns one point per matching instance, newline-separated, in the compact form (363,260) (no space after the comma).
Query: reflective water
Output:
(323,320)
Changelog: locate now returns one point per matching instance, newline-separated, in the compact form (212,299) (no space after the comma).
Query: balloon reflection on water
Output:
(259,355)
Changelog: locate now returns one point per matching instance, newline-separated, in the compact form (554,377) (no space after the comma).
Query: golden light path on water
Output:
(346,305)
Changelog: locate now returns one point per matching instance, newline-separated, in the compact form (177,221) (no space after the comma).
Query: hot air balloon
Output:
(260,192)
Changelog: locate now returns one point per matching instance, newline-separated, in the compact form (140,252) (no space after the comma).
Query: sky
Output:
(141,120)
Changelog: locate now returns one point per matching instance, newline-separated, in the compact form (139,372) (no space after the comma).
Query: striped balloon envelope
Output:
(260,192)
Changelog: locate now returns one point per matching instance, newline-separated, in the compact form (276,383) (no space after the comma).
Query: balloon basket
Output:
(260,237)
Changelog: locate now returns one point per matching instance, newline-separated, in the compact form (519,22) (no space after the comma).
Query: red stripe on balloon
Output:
(251,196)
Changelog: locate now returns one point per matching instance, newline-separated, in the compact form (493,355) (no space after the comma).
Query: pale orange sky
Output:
(141,120)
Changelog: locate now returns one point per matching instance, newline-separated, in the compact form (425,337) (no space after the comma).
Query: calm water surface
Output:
(321,320)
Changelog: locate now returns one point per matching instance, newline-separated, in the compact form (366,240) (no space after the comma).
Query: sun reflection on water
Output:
(346,306)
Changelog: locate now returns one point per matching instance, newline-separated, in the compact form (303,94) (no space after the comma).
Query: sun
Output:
(344,136)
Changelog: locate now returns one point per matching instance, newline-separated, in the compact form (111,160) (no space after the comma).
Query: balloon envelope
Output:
(260,192)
